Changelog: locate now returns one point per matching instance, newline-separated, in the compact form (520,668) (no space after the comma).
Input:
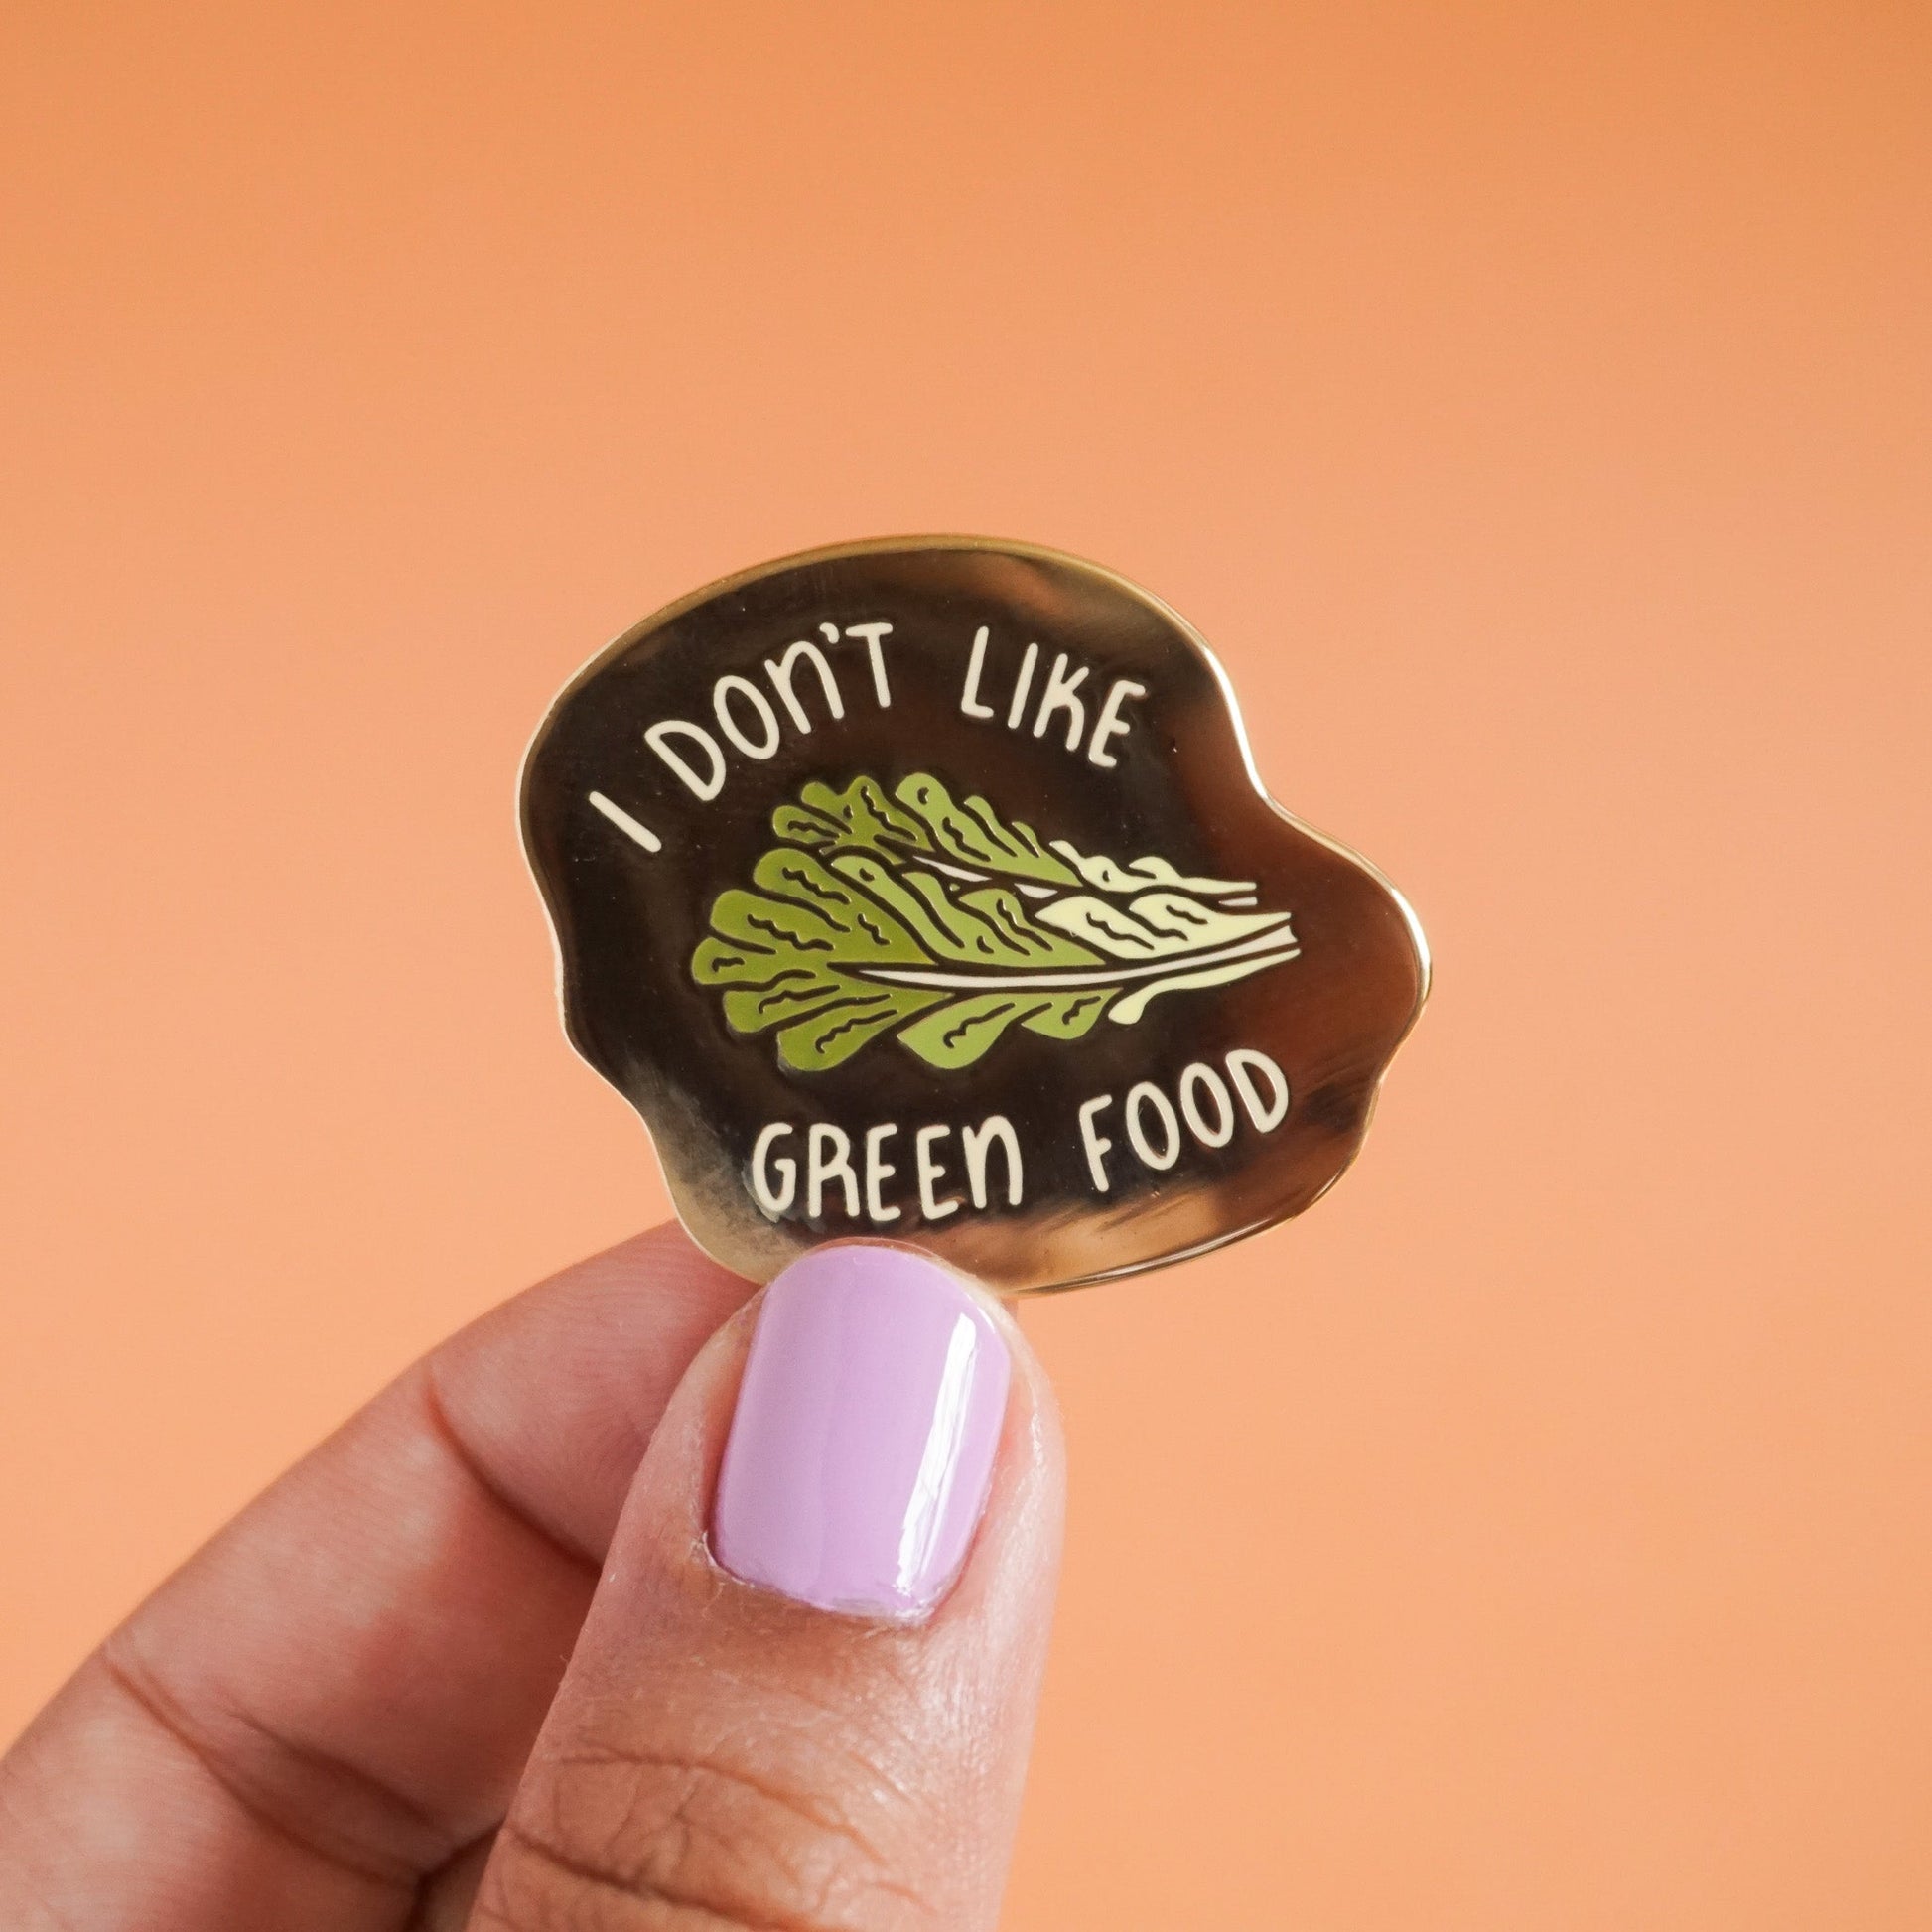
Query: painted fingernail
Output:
(862,1448)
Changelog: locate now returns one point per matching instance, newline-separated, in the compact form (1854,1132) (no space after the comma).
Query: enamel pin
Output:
(924,889)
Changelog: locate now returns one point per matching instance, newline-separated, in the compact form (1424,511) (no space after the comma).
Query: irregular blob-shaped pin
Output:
(924,889)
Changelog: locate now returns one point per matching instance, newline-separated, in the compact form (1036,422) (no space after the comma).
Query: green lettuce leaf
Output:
(912,914)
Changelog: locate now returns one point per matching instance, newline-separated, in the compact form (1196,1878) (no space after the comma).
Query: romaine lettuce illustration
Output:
(912,914)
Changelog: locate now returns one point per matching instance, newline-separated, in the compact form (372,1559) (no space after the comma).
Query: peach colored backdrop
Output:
(1533,403)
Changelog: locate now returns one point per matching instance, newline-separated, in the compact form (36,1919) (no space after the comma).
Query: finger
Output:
(445,1901)
(818,1726)
(335,1697)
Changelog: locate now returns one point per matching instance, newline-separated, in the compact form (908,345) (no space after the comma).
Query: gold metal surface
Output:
(924,889)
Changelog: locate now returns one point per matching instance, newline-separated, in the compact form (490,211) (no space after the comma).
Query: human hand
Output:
(509,1650)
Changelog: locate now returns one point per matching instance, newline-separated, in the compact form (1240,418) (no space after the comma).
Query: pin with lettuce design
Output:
(925,891)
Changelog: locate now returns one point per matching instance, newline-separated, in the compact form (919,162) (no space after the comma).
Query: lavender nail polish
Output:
(862,1448)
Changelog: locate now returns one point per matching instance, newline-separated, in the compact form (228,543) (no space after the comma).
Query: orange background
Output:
(1533,405)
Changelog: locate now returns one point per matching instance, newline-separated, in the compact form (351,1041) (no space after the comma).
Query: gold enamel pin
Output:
(926,890)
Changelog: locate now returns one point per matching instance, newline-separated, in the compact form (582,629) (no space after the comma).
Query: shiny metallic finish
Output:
(924,889)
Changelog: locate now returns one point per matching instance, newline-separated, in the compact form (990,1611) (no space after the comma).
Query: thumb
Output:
(804,1692)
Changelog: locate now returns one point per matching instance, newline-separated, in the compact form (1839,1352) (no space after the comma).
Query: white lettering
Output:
(872,633)
(704,788)
(878,1172)
(733,685)
(851,1166)
(829,1157)
(977,1142)
(630,827)
(1146,1094)
(763,1165)
(1095,1142)
(1110,723)
(969,698)
(1199,1075)
(1058,696)
(931,1173)
(782,672)
(1266,1114)
(1018,708)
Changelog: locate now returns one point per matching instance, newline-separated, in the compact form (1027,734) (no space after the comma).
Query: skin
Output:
(469,1664)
